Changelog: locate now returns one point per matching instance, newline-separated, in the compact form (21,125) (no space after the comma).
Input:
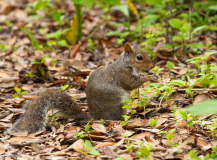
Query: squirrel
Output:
(107,86)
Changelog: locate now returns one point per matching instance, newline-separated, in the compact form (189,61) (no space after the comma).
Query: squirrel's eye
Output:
(139,57)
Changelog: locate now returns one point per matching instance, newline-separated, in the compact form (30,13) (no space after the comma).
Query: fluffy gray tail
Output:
(34,119)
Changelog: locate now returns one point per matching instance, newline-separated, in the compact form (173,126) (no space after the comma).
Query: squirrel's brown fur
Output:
(106,87)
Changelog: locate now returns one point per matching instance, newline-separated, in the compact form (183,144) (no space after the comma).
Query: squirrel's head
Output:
(137,59)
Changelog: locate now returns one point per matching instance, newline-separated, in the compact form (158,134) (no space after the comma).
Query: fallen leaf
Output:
(99,127)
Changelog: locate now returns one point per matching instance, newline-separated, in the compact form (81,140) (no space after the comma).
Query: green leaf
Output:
(126,117)
(214,7)
(87,3)
(95,153)
(54,61)
(46,56)
(112,2)
(16,96)
(154,2)
(56,16)
(182,113)
(123,9)
(87,145)
(175,23)
(62,43)
(18,90)
(58,115)
(196,45)
(199,28)
(133,111)
(180,83)
(152,122)
(76,1)
(203,108)
(24,92)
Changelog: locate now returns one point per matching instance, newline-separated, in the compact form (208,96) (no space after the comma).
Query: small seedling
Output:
(87,127)
(91,45)
(29,75)
(90,148)
(129,145)
(152,123)
(214,151)
(66,87)
(174,111)
(80,135)
(170,66)
(144,151)
(53,116)
(169,135)
(101,122)
(19,93)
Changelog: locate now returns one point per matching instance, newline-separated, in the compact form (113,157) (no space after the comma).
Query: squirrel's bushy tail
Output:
(34,119)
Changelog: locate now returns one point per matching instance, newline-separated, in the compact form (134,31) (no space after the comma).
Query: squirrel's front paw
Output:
(153,77)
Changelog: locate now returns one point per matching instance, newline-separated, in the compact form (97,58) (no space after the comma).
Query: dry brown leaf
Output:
(109,152)
(200,97)
(70,134)
(32,135)
(201,143)
(103,144)
(99,127)
(21,139)
(2,150)
(160,122)
(142,135)
(78,145)
(24,133)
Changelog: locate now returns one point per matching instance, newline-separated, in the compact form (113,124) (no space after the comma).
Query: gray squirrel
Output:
(107,86)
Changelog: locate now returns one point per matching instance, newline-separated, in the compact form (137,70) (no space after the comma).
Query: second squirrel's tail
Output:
(34,119)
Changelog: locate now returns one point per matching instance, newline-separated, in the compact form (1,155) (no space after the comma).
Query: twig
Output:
(10,50)
(204,15)
(198,89)
(190,23)
(28,143)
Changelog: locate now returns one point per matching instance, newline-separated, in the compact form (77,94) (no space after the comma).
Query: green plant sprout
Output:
(34,44)
(174,111)
(30,75)
(212,128)
(19,93)
(80,135)
(183,113)
(90,148)
(66,87)
(58,18)
(53,116)
(91,45)
(129,145)
(169,136)
(214,151)
(170,66)
(144,151)
(157,70)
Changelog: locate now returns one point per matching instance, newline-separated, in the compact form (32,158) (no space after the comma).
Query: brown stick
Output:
(10,50)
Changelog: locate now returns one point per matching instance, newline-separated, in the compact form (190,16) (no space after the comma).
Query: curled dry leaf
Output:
(200,97)
(78,145)
(99,127)
(201,143)
(143,135)
(109,152)
(70,134)
(103,144)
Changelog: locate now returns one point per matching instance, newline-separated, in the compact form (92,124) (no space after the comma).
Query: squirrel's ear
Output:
(127,49)
(133,45)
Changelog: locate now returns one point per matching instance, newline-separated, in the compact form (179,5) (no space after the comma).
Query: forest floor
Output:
(158,130)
